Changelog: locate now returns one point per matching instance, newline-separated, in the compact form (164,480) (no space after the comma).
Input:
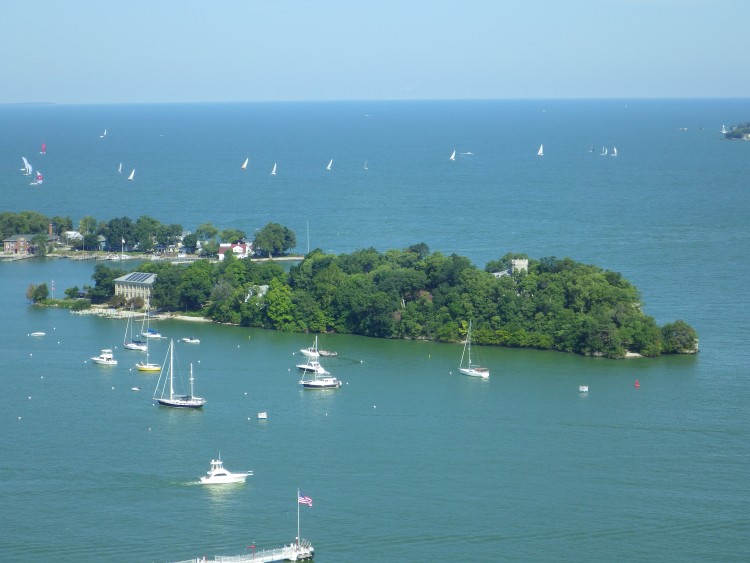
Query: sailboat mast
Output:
(191,380)
(171,370)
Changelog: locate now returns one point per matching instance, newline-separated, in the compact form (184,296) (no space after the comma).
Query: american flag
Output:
(302,499)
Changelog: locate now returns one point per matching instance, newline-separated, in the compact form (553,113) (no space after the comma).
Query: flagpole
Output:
(297,518)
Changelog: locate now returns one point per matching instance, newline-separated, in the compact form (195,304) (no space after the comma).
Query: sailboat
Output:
(38,180)
(119,169)
(103,134)
(452,156)
(149,332)
(312,351)
(365,166)
(540,152)
(132,175)
(273,172)
(44,149)
(330,163)
(129,343)
(171,399)
(614,151)
(244,164)
(147,366)
(724,130)
(468,368)
(26,167)
(604,151)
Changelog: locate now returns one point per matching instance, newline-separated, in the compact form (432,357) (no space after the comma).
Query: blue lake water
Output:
(408,461)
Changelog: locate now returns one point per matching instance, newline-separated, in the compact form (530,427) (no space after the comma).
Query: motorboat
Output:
(218,475)
(313,366)
(105,358)
(190,340)
(321,382)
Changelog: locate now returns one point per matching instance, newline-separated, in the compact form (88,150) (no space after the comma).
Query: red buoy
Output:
(637,384)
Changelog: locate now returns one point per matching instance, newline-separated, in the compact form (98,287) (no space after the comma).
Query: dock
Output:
(292,552)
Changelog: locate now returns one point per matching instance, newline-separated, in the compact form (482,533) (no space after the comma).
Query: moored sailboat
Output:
(273,172)
(167,397)
(132,175)
(468,368)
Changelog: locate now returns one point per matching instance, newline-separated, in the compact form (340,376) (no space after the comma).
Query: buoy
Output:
(637,384)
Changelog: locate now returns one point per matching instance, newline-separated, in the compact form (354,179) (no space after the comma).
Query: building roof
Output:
(137,278)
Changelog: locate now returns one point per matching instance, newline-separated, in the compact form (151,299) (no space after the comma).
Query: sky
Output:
(164,51)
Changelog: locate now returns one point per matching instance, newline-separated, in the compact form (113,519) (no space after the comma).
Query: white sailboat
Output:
(244,164)
(312,351)
(26,167)
(540,152)
(604,151)
(614,151)
(119,169)
(365,166)
(38,180)
(452,156)
(273,172)
(132,175)
(724,129)
(468,368)
(130,343)
(330,163)
(103,134)
(167,397)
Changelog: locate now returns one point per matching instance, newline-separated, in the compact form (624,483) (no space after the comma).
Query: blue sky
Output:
(100,51)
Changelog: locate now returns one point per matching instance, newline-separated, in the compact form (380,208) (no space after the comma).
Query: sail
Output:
(273,172)
(26,166)
(453,156)
(329,165)
(44,149)
(244,164)
(540,152)
(132,174)
(39,177)
(119,169)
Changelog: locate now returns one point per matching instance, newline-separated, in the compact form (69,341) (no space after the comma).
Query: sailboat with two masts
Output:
(468,368)
(167,397)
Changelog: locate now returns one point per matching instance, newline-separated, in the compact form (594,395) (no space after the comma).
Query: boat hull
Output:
(135,346)
(192,403)
(326,383)
(148,367)
(225,479)
(484,373)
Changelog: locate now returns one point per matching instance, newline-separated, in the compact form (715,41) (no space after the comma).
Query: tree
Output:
(72,292)
(104,279)
(679,338)
(206,231)
(39,245)
(190,242)
(87,225)
(274,239)
(41,292)
(231,235)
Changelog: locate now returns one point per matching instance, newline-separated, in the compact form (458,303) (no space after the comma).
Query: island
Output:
(738,132)
(515,301)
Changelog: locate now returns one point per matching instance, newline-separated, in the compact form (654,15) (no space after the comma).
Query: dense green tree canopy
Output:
(558,304)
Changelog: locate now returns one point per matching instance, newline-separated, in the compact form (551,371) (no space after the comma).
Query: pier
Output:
(292,552)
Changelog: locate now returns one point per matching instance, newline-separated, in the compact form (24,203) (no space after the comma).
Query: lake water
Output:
(408,461)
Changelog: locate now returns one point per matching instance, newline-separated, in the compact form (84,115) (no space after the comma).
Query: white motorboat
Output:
(105,358)
(468,368)
(218,475)
(313,366)
(190,340)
